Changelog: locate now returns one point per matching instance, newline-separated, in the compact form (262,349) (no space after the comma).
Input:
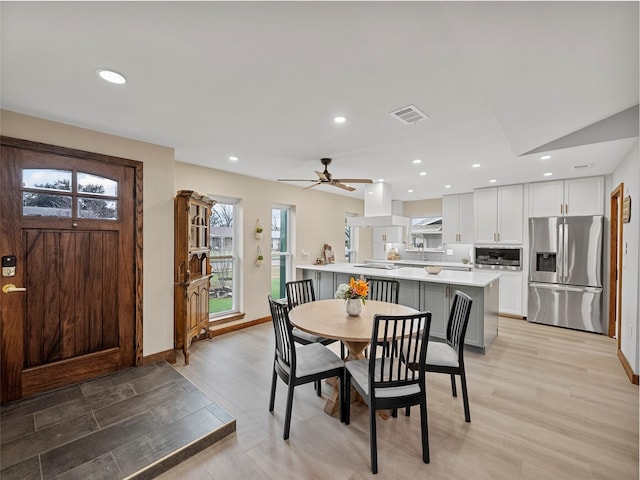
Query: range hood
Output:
(379,209)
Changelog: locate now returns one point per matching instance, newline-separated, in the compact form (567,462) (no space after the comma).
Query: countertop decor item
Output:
(433,269)
(353,307)
(355,293)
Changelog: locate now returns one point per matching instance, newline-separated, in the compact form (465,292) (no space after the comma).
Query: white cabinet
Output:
(457,218)
(573,197)
(511,293)
(388,234)
(498,215)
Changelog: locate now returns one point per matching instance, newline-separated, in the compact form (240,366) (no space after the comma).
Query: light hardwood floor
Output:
(546,403)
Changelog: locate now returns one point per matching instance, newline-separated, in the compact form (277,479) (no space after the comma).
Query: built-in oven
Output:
(507,258)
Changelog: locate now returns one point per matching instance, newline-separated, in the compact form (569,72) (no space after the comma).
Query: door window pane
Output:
(97,208)
(96,185)
(45,205)
(46,179)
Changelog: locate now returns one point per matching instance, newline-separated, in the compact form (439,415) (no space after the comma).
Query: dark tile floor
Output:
(133,424)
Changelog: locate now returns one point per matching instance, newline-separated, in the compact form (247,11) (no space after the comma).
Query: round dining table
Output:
(329,319)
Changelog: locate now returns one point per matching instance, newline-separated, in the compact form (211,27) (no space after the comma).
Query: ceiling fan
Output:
(325,177)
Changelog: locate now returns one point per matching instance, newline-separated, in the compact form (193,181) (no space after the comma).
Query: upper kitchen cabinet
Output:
(457,218)
(498,215)
(389,234)
(577,196)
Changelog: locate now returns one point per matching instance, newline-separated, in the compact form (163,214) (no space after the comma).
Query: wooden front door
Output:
(69,219)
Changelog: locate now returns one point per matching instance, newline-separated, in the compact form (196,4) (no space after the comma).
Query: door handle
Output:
(10,287)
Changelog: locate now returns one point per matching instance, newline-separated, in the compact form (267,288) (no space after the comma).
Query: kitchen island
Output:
(423,291)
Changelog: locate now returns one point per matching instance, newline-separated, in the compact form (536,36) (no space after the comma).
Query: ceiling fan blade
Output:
(354,180)
(336,183)
(322,176)
(311,186)
(295,180)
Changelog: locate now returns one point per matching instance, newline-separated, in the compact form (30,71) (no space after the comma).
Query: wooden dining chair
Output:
(297,365)
(299,292)
(448,357)
(387,382)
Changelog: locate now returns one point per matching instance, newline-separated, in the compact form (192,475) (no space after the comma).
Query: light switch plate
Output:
(449,251)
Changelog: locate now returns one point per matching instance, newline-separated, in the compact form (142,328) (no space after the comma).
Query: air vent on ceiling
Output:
(409,115)
(581,167)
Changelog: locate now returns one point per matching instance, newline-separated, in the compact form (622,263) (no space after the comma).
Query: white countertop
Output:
(472,278)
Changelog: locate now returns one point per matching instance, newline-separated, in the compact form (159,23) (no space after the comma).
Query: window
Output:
(426,233)
(223,259)
(350,240)
(280,250)
(55,193)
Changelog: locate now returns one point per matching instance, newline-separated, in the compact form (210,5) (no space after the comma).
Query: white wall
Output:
(628,172)
(319,219)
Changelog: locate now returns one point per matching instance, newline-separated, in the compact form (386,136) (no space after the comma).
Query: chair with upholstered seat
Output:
(297,365)
(299,292)
(383,289)
(387,382)
(448,357)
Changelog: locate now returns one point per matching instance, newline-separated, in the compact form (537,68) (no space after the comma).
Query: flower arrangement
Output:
(354,289)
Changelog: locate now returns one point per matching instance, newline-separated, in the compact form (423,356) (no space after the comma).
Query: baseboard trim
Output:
(167,355)
(511,315)
(221,330)
(633,378)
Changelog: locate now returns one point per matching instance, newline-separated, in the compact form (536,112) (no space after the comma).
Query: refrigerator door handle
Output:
(565,251)
(555,286)
(560,250)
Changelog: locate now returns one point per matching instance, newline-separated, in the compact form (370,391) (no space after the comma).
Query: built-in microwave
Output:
(509,258)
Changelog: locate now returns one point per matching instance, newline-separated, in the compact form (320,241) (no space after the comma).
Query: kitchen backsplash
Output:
(459,251)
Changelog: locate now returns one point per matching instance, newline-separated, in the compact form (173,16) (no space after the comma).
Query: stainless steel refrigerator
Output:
(565,272)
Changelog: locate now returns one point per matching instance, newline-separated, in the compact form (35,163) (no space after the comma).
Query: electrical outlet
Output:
(449,251)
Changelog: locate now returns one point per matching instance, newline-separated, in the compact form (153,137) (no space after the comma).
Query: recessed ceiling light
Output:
(548,174)
(447,186)
(493,180)
(339,119)
(417,160)
(423,173)
(233,159)
(545,157)
(410,190)
(370,193)
(475,165)
(380,180)
(111,76)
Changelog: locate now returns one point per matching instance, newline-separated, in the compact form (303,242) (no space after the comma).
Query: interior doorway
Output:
(615,263)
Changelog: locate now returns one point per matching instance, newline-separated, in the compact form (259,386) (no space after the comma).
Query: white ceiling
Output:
(263,81)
